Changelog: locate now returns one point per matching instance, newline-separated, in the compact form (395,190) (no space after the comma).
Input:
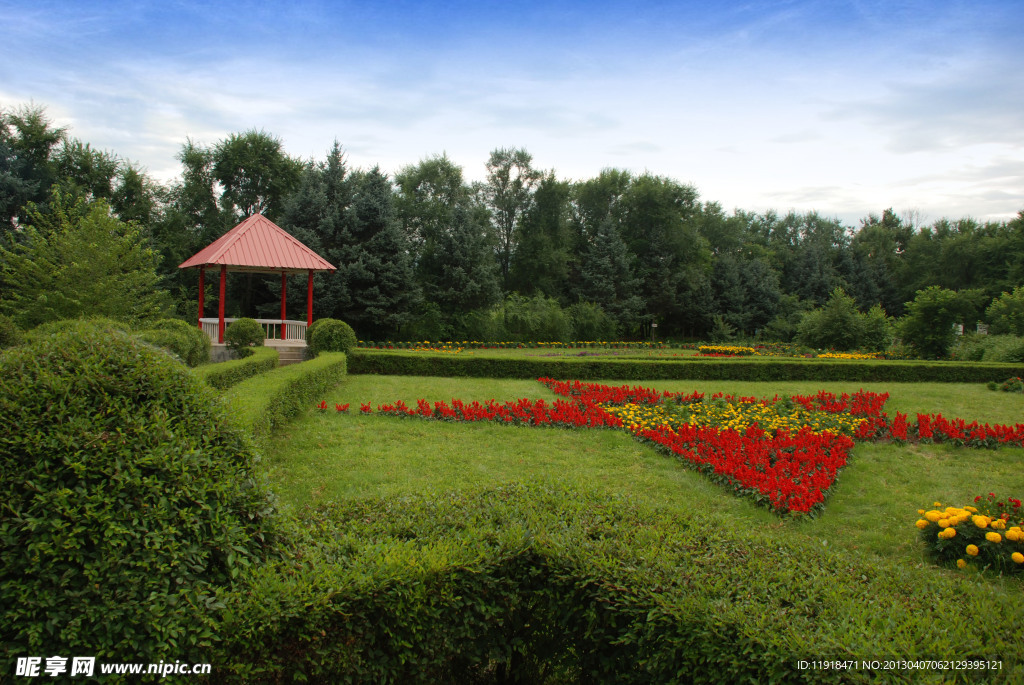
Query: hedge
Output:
(267,401)
(547,583)
(746,369)
(226,374)
(130,501)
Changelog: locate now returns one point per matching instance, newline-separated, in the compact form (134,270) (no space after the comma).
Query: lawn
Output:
(328,456)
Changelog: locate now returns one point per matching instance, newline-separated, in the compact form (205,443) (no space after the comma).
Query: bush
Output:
(223,375)
(877,330)
(131,503)
(838,324)
(198,350)
(331,335)
(243,334)
(928,323)
(590,322)
(10,334)
(60,326)
(535,318)
(1003,348)
(176,343)
(1006,313)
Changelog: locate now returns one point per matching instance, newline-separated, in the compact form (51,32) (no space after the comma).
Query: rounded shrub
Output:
(243,334)
(331,335)
(131,502)
(198,350)
(176,343)
(10,333)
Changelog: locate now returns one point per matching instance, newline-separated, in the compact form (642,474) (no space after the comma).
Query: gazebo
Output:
(258,245)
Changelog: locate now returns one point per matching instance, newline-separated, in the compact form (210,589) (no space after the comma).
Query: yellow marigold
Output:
(981,521)
(972,550)
(993,537)
(936,504)
(922,524)
(920,511)
(971,509)
(933,516)
(948,534)
(999,524)
(960,563)
(943,523)
(1017,557)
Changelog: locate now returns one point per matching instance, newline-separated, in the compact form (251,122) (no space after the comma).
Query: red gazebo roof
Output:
(258,244)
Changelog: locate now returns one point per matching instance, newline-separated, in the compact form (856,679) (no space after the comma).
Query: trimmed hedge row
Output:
(746,369)
(226,374)
(271,399)
(545,583)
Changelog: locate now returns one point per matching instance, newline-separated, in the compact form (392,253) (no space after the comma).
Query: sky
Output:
(845,108)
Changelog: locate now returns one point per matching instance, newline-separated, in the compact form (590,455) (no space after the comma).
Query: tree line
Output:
(425,254)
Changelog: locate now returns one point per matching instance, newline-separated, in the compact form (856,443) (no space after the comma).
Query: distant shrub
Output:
(131,502)
(837,324)
(876,330)
(591,322)
(927,325)
(176,343)
(243,334)
(1003,348)
(10,333)
(62,325)
(198,350)
(331,335)
(1006,313)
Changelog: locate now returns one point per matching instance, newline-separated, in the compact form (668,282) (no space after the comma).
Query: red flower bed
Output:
(790,472)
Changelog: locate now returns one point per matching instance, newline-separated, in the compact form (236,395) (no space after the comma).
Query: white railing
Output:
(293,330)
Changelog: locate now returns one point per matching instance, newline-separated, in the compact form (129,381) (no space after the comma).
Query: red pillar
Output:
(220,304)
(202,287)
(309,300)
(284,285)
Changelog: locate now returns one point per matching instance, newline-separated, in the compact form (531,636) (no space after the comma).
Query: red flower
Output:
(322,406)
(341,407)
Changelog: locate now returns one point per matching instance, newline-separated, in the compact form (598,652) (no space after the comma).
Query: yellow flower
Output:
(948,534)
(936,504)
(971,509)
(1017,557)
(972,550)
(920,511)
(960,563)
(993,537)
(943,523)
(981,521)
(922,524)
(999,524)
(933,516)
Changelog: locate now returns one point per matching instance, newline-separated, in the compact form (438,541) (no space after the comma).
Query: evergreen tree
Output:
(606,278)
(378,271)
(80,260)
(541,260)
(462,274)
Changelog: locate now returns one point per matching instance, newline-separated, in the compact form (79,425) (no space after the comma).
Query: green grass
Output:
(329,456)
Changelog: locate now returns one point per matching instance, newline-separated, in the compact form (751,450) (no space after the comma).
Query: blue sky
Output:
(846,108)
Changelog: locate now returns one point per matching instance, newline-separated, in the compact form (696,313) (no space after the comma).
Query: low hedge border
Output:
(226,374)
(746,369)
(545,582)
(269,400)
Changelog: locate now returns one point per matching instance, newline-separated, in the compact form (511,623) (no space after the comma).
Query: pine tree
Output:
(80,260)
